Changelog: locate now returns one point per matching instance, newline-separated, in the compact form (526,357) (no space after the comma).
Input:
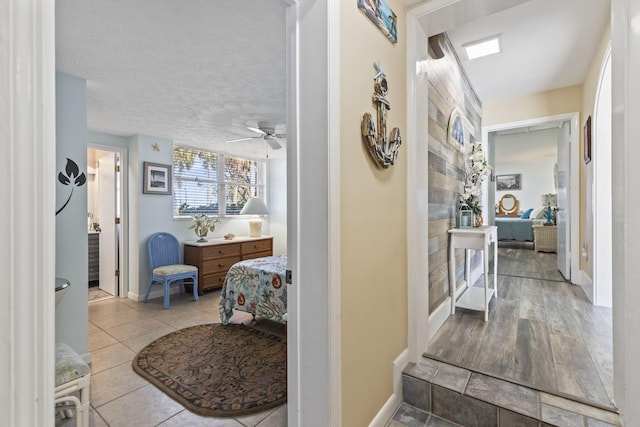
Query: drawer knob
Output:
(220,265)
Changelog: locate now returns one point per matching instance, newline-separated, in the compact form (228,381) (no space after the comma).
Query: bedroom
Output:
(525,170)
(233,94)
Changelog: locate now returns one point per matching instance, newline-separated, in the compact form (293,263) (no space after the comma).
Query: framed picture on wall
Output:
(157,178)
(508,182)
(587,141)
(379,12)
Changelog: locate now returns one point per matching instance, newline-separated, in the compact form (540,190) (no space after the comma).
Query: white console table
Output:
(478,238)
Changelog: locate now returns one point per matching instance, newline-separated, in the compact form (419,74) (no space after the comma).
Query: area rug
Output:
(216,370)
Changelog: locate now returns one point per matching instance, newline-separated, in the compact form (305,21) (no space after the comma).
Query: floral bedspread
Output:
(256,286)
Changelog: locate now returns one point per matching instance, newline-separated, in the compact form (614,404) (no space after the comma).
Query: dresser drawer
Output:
(222,251)
(255,247)
(218,265)
(257,255)
(211,281)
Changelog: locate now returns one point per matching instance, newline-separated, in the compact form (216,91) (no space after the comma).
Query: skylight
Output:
(481,48)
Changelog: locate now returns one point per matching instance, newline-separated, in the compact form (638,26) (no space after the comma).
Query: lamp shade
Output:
(254,206)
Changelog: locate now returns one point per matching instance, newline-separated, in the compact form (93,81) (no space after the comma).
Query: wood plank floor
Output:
(542,332)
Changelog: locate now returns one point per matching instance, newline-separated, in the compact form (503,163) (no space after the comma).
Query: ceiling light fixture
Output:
(484,47)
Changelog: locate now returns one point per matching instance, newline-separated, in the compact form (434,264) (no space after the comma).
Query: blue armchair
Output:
(165,262)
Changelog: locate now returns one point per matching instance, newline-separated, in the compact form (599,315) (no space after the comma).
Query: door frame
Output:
(313,212)
(601,228)
(123,243)
(573,219)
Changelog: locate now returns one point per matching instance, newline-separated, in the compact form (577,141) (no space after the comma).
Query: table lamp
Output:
(255,207)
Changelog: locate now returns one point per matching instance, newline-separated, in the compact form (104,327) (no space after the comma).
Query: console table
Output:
(478,238)
(215,257)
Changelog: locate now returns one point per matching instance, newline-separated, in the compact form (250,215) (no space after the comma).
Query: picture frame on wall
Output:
(587,141)
(157,178)
(379,12)
(508,182)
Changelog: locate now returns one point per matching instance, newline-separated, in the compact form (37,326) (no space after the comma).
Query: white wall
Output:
(536,179)
(277,204)
(533,155)
(72,319)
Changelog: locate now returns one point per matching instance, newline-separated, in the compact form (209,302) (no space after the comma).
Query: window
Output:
(213,183)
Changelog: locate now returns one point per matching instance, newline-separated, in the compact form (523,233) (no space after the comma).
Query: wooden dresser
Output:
(215,257)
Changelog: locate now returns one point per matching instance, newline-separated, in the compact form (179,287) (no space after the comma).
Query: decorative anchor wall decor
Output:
(383,151)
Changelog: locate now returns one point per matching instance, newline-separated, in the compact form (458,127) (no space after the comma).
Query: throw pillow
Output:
(526,214)
(538,212)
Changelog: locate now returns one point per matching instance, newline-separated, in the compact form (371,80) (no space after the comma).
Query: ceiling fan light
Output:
(484,47)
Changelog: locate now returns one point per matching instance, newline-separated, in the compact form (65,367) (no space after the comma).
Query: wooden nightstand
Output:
(215,257)
(545,238)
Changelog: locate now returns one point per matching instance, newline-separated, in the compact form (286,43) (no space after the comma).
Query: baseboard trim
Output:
(587,285)
(393,403)
(437,319)
(156,292)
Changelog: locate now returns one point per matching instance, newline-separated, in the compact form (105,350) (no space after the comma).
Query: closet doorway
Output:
(104,212)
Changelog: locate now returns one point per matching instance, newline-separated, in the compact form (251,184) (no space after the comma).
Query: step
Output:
(440,394)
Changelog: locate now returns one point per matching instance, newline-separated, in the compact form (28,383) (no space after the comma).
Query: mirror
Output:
(508,205)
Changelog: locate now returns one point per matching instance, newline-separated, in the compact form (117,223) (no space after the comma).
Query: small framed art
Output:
(157,178)
(379,12)
(587,141)
(508,182)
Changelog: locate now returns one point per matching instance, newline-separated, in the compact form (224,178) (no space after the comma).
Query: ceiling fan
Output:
(267,132)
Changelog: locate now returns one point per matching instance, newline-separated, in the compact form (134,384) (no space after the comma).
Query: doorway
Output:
(564,174)
(104,214)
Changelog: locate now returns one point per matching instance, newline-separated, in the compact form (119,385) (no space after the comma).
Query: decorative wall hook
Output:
(383,151)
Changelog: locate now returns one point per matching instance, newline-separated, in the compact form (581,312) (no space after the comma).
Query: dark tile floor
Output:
(437,392)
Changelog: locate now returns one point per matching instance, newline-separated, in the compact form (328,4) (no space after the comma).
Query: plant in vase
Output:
(476,172)
(202,224)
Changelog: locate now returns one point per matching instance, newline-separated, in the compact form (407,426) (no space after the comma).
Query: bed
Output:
(255,286)
(515,228)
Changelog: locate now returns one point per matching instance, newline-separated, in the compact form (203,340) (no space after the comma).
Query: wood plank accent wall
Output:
(449,88)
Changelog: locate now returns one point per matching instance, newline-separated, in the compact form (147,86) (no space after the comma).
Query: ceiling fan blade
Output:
(280,135)
(243,139)
(273,144)
(257,130)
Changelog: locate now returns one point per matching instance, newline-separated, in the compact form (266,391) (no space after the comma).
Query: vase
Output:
(478,220)
(202,234)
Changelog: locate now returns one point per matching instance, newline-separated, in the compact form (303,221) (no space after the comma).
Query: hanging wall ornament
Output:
(384,151)
(71,176)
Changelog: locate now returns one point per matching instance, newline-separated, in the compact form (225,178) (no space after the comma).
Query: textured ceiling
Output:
(199,71)
(194,71)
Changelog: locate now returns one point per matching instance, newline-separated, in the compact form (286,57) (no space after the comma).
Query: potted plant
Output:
(202,224)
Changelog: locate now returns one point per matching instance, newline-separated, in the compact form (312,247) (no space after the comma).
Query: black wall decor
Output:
(71,176)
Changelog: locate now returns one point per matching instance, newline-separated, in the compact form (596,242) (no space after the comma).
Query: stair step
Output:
(440,394)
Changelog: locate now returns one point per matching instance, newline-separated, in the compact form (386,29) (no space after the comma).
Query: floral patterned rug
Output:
(216,370)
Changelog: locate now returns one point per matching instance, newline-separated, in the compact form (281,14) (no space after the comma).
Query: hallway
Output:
(542,332)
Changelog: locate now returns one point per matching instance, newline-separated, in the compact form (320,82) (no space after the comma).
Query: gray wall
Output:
(71,222)
(449,89)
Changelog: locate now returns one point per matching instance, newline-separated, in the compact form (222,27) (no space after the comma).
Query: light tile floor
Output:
(118,330)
